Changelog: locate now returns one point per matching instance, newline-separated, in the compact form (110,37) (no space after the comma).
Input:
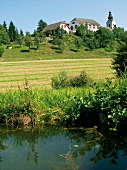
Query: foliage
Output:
(90,41)
(107,104)
(59,32)
(62,80)
(4,37)
(104,103)
(5,26)
(104,36)
(20,39)
(12,32)
(80,81)
(1,51)
(81,30)
(41,25)
(120,60)
(28,41)
(119,34)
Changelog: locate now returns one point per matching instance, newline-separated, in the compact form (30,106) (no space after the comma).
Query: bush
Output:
(106,105)
(1,51)
(62,80)
(120,60)
(82,80)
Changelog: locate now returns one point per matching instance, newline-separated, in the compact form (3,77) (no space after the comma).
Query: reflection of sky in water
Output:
(54,153)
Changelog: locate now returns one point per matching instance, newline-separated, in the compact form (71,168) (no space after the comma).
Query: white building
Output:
(91,24)
(54,26)
(110,23)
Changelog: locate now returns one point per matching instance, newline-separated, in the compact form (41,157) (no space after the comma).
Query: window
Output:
(64,26)
(89,26)
(75,26)
(73,22)
(93,26)
(71,27)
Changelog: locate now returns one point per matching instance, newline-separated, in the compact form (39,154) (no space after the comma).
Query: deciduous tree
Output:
(4,37)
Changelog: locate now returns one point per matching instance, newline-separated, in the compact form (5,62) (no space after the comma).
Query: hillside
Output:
(71,47)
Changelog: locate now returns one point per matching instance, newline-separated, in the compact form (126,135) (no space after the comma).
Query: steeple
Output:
(110,17)
(110,23)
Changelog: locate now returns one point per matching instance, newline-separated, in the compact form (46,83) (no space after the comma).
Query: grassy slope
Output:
(48,51)
(38,66)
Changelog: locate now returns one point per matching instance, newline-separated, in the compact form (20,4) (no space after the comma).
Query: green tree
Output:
(28,41)
(21,32)
(20,40)
(4,37)
(120,60)
(104,36)
(81,30)
(39,37)
(1,51)
(59,32)
(41,25)
(37,42)
(119,34)
(12,32)
(5,26)
(90,40)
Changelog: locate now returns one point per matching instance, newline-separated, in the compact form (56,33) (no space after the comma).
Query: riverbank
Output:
(87,106)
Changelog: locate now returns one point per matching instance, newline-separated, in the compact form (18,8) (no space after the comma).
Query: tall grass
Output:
(104,102)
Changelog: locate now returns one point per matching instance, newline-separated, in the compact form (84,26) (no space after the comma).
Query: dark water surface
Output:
(53,148)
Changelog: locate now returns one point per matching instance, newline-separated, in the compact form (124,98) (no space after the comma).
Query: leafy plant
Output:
(62,80)
(1,51)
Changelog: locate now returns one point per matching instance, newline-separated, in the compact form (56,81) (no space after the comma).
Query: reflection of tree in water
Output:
(28,136)
(2,147)
(70,159)
(108,144)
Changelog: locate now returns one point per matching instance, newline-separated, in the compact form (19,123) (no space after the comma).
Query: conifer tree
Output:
(5,26)
(12,32)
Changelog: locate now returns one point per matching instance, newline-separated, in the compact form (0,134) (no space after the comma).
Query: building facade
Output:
(54,26)
(110,23)
(91,24)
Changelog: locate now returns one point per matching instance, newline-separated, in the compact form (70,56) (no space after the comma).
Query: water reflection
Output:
(59,148)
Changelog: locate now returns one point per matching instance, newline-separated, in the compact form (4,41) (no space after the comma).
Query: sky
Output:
(25,14)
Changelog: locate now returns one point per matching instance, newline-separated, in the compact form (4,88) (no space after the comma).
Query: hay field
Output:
(39,73)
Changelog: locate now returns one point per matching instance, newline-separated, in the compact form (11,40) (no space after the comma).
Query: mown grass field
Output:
(39,72)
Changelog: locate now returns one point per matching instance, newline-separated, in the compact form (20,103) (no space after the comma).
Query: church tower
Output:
(110,23)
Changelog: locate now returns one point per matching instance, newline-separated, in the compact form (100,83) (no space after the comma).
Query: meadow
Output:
(38,73)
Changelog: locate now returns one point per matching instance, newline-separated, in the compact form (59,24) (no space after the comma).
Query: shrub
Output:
(1,51)
(107,104)
(62,80)
(82,80)
(120,60)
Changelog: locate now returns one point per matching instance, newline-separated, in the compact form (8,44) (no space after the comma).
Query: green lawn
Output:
(39,72)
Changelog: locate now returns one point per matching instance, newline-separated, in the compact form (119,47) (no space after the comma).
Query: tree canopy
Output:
(41,25)
(12,32)
(4,37)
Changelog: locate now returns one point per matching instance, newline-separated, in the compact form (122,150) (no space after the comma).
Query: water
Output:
(52,148)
